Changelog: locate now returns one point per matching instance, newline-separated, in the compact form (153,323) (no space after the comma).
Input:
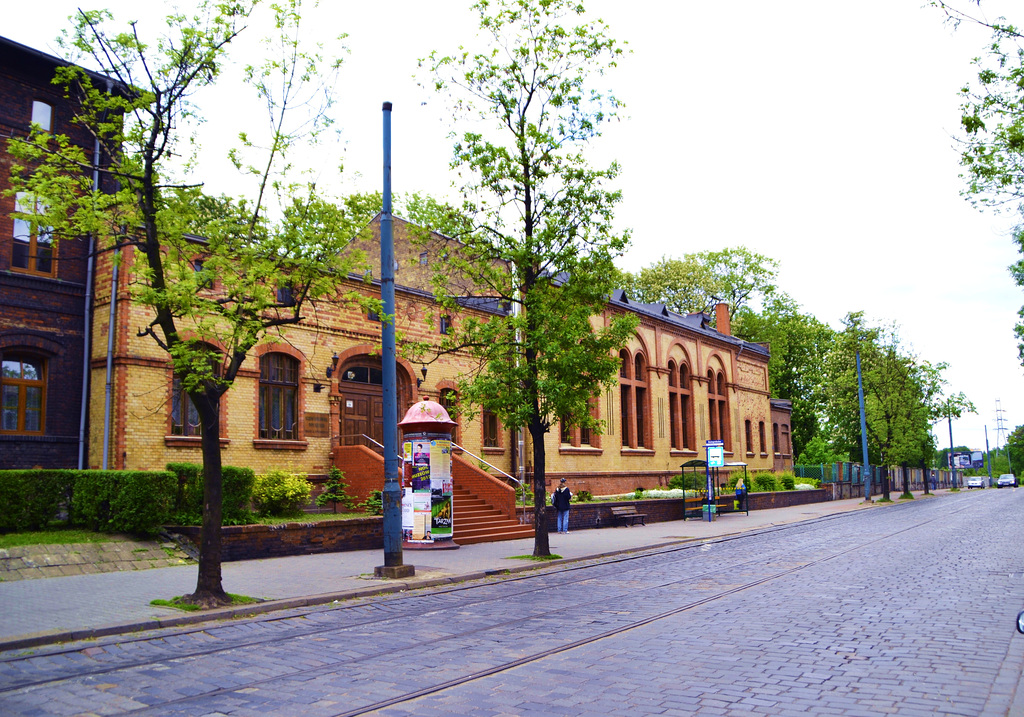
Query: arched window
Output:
(449,400)
(279,394)
(578,436)
(679,406)
(718,409)
(777,447)
(760,435)
(491,429)
(748,430)
(22,394)
(634,400)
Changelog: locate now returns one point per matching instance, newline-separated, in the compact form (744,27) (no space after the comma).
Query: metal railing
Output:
(512,478)
(518,482)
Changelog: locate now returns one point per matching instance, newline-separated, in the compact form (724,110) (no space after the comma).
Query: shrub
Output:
(788,482)
(374,505)
(638,494)
(280,493)
(136,502)
(334,491)
(30,499)
(236,494)
(584,496)
(765,482)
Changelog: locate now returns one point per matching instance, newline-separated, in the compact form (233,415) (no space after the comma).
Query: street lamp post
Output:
(863,433)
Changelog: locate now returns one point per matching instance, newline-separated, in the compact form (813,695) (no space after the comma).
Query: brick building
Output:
(43,286)
(300,400)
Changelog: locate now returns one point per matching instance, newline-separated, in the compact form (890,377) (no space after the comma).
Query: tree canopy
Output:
(698,281)
(219,274)
(542,243)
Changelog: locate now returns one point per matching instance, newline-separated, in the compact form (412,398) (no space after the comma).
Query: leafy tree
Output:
(335,491)
(699,280)
(543,244)
(1015,450)
(818,450)
(902,395)
(992,121)
(797,342)
(257,268)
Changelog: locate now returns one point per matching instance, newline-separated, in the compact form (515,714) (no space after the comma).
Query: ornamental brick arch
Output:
(357,390)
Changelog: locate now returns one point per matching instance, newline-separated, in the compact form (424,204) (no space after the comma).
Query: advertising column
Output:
(428,515)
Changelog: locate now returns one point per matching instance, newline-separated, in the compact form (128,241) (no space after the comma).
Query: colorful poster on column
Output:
(421,493)
(441,490)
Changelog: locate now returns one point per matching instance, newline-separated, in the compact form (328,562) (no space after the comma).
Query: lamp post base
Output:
(394,571)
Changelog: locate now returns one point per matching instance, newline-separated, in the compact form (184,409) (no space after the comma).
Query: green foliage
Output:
(798,341)
(818,451)
(699,280)
(30,499)
(902,395)
(788,481)
(137,502)
(151,182)
(280,493)
(544,244)
(374,504)
(236,485)
(638,494)
(583,496)
(334,491)
(765,482)
(53,536)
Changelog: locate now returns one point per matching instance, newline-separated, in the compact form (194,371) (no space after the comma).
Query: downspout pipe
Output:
(90,269)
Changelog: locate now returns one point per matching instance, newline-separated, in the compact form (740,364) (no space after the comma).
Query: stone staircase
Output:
(476,521)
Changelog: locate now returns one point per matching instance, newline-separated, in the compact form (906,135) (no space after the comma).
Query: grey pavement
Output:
(60,609)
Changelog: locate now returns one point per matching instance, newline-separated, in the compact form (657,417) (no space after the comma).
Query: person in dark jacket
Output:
(560,499)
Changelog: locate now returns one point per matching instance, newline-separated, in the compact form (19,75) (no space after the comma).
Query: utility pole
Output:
(863,433)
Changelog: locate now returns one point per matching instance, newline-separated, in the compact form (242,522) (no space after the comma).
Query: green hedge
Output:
(31,499)
(236,486)
(136,502)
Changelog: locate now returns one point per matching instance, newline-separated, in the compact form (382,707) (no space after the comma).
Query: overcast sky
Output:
(817,133)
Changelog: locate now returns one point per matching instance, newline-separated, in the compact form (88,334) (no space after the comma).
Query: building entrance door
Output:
(362,413)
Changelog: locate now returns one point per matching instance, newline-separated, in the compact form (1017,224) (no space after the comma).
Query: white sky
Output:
(818,133)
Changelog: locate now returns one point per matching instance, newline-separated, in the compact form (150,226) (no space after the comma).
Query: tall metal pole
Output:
(391,497)
(952,471)
(988,456)
(863,433)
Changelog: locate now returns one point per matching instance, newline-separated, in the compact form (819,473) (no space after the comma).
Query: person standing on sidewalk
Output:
(560,499)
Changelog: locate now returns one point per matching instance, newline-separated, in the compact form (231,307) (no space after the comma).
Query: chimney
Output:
(722,319)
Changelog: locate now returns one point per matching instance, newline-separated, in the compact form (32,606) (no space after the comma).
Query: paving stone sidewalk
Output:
(120,555)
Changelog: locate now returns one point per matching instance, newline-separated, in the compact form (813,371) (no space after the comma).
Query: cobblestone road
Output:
(907,609)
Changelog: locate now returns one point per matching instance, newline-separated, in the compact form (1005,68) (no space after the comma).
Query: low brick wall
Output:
(248,542)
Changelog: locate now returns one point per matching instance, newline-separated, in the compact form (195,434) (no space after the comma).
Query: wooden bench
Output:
(628,512)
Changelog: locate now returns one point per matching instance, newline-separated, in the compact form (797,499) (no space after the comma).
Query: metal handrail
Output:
(499,470)
(464,450)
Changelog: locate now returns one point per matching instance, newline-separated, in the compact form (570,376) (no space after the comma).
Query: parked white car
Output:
(976,482)
(1007,479)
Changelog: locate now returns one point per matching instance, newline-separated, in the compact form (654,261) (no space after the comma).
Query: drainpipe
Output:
(110,360)
(83,419)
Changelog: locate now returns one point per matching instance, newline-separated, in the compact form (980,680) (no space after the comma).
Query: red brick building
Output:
(43,287)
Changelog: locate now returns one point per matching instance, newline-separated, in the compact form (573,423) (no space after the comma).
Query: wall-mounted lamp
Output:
(334,365)
(419,381)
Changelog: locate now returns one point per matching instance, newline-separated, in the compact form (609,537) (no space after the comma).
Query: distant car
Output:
(1007,479)
(976,482)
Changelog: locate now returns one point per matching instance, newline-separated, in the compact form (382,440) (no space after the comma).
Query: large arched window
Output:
(449,400)
(22,394)
(634,400)
(680,407)
(279,396)
(718,409)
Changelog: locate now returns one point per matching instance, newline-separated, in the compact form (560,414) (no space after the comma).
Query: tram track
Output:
(566,579)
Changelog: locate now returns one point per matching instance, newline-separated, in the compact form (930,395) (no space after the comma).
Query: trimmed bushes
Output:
(122,501)
(236,486)
(280,493)
(30,499)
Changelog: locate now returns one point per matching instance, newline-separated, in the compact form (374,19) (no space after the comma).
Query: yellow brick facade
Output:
(140,424)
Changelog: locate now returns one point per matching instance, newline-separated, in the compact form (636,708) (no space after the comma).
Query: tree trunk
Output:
(209,589)
(924,474)
(541,546)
